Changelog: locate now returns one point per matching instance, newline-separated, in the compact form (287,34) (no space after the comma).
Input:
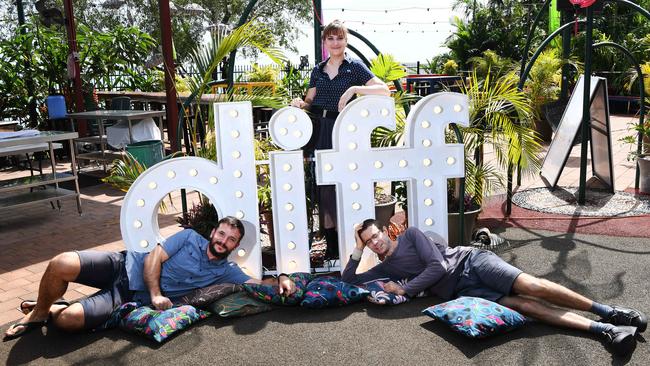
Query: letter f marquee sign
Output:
(425,162)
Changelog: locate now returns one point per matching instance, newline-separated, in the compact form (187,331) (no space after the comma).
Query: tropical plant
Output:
(489,62)
(294,84)
(207,58)
(498,25)
(190,17)
(386,68)
(202,217)
(436,65)
(642,131)
(450,67)
(502,117)
(265,73)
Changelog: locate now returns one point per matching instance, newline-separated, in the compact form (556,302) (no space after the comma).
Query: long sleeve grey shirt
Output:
(426,265)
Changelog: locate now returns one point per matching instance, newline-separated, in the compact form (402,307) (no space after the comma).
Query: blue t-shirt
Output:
(352,72)
(187,268)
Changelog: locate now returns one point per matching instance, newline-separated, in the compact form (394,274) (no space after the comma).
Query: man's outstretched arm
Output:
(151,273)
(286,287)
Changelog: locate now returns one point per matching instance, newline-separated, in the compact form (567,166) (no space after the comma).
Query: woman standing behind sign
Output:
(333,83)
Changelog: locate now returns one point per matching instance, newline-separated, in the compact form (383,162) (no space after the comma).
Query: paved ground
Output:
(31,237)
(613,270)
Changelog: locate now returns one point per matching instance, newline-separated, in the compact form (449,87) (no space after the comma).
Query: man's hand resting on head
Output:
(161,302)
(394,288)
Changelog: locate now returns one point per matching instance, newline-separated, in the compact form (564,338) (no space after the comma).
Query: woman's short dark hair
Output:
(366,224)
(337,28)
(234,222)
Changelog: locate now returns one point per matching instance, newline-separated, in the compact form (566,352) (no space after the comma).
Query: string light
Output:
(396,23)
(386,11)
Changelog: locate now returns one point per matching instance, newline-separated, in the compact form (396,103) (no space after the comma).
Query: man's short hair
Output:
(336,27)
(366,224)
(234,222)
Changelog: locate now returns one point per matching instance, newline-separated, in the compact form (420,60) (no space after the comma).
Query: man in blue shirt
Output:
(185,262)
(465,271)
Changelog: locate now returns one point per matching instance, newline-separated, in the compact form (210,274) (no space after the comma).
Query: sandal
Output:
(25,306)
(27,327)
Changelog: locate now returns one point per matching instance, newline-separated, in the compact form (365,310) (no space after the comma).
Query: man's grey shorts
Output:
(106,271)
(486,276)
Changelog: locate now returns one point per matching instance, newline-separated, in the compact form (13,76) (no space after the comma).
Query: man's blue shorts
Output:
(486,276)
(106,271)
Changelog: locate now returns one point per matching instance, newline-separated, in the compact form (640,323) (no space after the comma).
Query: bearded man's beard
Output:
(218,255)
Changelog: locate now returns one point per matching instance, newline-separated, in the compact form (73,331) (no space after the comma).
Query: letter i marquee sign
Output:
(425,162)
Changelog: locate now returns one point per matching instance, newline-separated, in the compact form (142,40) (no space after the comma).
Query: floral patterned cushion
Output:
(270,294)
(380,297)
(238,304)
(158,325)
(330,291)
(475,317)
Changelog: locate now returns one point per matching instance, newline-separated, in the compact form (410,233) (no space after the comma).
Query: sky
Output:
(402,28)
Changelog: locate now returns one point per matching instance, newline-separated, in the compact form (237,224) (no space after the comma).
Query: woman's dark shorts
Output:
(106,271)
(486,276)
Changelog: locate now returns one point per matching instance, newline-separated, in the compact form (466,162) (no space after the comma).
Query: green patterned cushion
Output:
(238,304)
(203,297)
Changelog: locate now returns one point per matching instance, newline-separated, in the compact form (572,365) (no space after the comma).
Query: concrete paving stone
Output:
(32,295)
(36,277)
(32,286)
(18,282)
(86,290)
(10,304)
(37,267)
(10,315)
(16,274)
(13,293)
(71,295)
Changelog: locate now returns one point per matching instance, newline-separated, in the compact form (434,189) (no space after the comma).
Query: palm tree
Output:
(207,58)
(502,117)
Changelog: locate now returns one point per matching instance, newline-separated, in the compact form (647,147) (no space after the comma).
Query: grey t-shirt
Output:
(426,265)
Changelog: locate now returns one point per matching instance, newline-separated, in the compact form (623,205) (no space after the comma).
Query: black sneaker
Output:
(621,339)
(627,316)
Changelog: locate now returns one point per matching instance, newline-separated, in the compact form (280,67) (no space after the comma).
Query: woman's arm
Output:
(304,104)
(374,86)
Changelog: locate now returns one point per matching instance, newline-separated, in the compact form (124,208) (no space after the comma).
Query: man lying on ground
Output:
(185,262)
(465,271)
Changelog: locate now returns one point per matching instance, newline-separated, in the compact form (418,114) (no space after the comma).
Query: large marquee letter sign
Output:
(230,184)
(425,162)
(290,129)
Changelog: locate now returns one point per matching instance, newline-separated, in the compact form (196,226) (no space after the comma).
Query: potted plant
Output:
(502,117)
(384,206)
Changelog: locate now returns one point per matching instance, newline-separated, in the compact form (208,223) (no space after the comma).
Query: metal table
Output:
(428,84)
(8,125)
(129,116)
(49,194)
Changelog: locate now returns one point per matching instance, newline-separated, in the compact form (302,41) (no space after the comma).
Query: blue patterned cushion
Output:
(378,296)
(475,317)
(330,291)
(270,294)
(156,324)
